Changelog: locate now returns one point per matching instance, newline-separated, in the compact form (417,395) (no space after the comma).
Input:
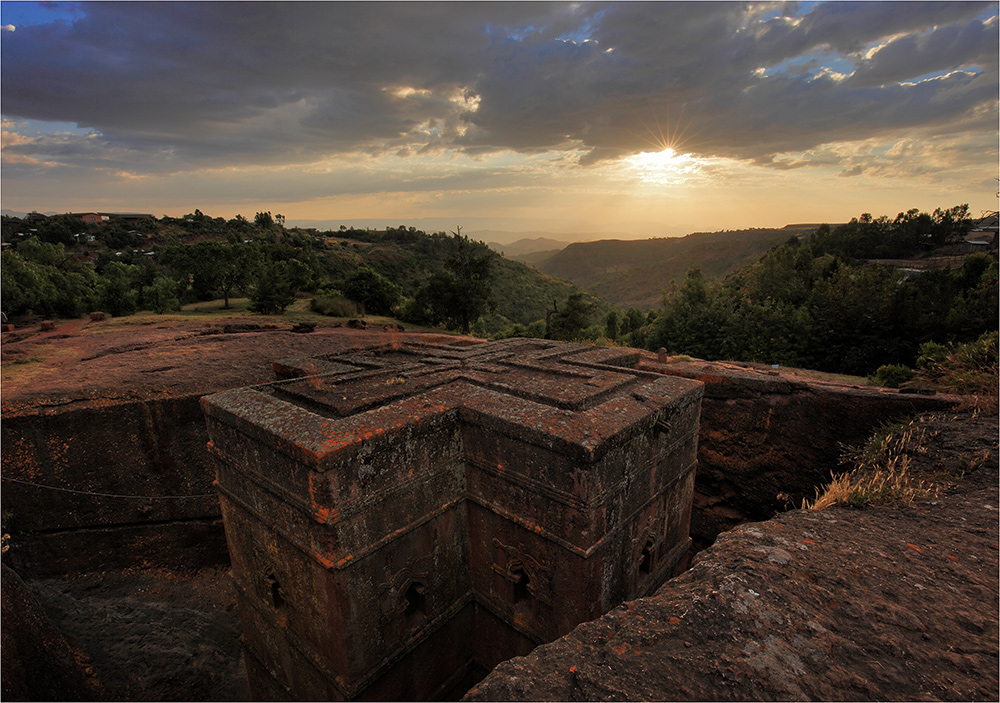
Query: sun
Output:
(664,167)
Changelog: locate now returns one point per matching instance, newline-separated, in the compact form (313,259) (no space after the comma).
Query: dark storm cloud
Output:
(189,84)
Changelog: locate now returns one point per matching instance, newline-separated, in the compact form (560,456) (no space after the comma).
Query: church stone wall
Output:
(401,517)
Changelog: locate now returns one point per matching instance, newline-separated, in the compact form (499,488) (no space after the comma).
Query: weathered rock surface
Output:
(418,510)
(868,644)
(878,603)
(103,440)
(38,662)
(149,635)
(769,438)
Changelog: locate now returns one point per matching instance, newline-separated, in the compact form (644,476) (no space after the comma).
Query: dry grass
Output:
(883,472)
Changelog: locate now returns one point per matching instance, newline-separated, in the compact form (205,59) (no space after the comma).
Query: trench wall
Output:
(109,485)
(767,440)
(119,478)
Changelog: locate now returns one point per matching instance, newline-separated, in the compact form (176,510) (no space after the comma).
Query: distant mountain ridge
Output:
(528,246)
(634,273)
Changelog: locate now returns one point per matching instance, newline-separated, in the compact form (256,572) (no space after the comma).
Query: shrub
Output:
(890,376)
(535,329)
(931,354)
(967,369)
(333,306)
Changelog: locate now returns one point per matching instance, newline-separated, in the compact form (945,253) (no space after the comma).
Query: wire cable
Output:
(107,495)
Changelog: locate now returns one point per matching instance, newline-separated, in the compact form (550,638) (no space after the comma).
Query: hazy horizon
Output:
(567,119)
(477,228)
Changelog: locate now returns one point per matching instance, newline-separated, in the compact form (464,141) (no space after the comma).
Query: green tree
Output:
(59,229)
(301,274)
(76,292)
(611,325)
(22,284)
(697,319)
(859,321)
(459,293)
(273,290)
(430,303)
(973,309)
(375,293)
(567,324)
(44,253)
(117,235)
(213,267)
(470,281)
(41,278)
(161,295)
(264,221)
(632,321)
(116,291)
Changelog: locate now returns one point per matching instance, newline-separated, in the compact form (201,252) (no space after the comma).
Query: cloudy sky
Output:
(635,119)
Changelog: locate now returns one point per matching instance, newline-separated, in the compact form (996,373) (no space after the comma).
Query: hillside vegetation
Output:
(814,299)
(820,303)
(61,266)
(635,273)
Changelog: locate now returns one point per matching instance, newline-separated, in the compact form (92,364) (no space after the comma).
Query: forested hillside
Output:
(635,273)
(819,303)
(61,266)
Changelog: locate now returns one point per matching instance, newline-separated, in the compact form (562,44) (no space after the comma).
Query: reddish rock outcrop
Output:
(104,462)
(150,368)
(873,604)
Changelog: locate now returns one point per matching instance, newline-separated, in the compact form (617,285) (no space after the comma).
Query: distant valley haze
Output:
(564,120)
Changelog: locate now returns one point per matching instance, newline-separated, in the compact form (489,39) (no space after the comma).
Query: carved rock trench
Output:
(843,604)
(759,432)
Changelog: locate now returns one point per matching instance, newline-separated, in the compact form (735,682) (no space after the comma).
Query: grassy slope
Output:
(635,273)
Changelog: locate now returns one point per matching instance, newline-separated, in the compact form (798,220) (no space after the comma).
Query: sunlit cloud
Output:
(9,136)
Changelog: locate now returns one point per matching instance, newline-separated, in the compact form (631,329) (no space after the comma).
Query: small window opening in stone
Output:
(416,602)
(646,558)
(521,581)
(277,600)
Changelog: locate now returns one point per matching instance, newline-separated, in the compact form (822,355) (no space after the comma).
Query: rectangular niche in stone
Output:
(405,516)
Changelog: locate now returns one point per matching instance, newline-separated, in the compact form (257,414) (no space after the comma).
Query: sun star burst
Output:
(664,167)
